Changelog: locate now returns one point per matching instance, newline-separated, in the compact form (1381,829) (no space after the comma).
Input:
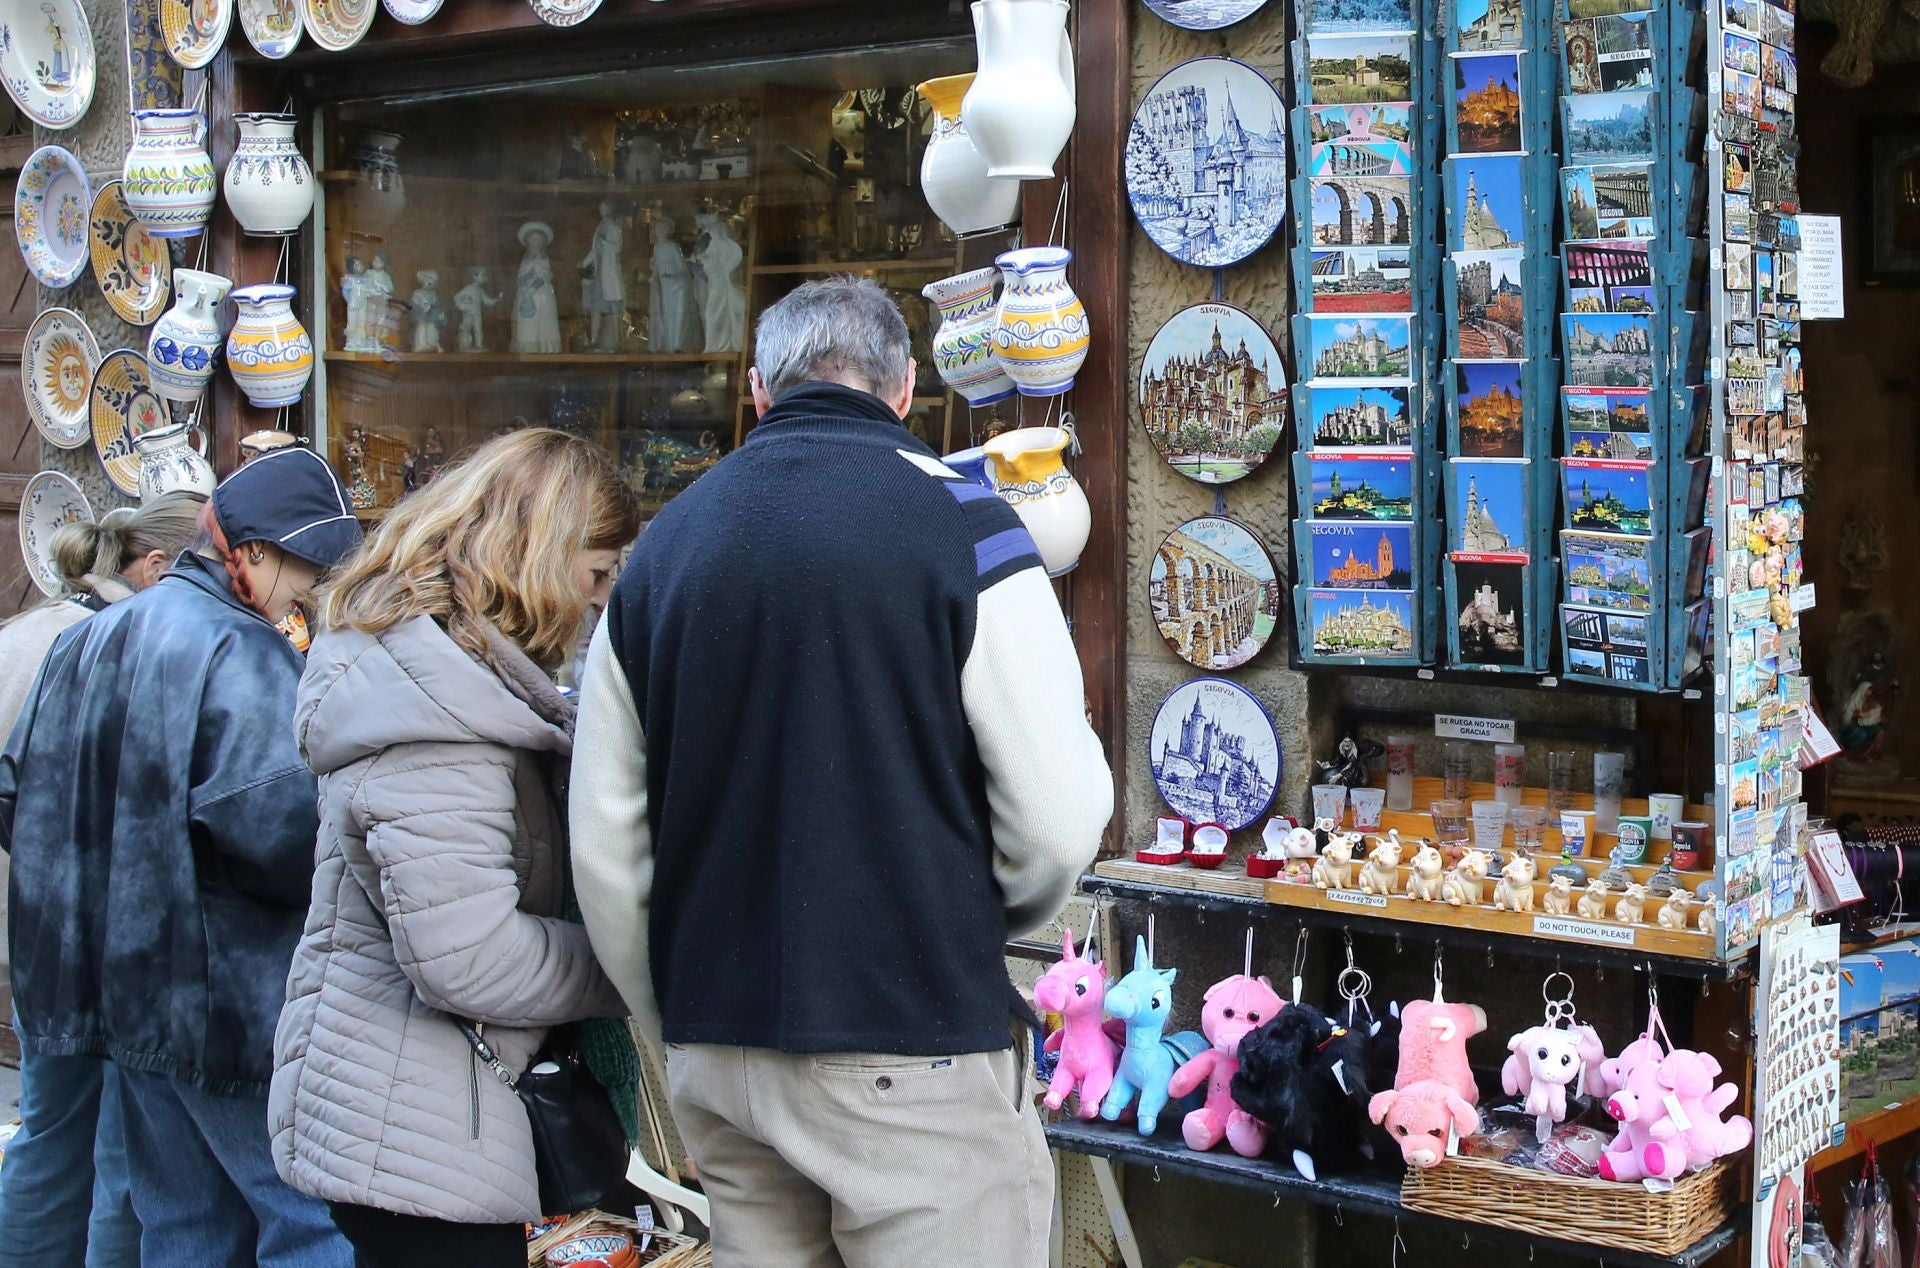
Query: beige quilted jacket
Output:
(436,880)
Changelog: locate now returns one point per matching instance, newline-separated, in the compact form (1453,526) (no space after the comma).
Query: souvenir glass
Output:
(1489,825)
(1400,750)
(1509,772)
(1449,821)
(1528,824)
(1458,769)
(1609,782)
(1559,780)
(1330,802)
(1366,808)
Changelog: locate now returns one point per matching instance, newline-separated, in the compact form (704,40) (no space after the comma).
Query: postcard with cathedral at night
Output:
(1354,556)
(1608,496)
(1358,486)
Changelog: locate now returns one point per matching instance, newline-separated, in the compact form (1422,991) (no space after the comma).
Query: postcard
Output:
(1359,486)
(1592,409)
(1635,445)
(1486,210)
(1608,495)
(1742,15)
(1489,415)
(1361,623)
(1488,508)
(1613,201)
(1625,50)
(1486,103)
(1604,643)
(1608,570)
(1609,127)
(1609,349)
(1490,627)
(1339,417)
(1358,123)
(1362,280)
(1489,314)
(1359,68)
(1381,157)
(1340,347)
(1602,8)
(1606,265)
(1582,52)
(1337,17)
(1373,212)
(1355,556)
(1488,24)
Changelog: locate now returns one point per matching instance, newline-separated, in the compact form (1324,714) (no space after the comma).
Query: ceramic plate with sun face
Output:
(195,29)
(132,266)
(46,60)
(50,216)
(51,500)
(123,406)
(274,27)
(339,24)
(56,373)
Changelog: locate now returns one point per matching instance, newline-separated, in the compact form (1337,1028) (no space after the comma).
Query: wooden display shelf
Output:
(452,359)
(1428,789)
(1880,1127)
(584,189)
(934,265)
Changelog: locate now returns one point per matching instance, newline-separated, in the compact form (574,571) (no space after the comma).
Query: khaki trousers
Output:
(866,1161)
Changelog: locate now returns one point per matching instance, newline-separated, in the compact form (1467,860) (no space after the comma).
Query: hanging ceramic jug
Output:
(1040,337)
(184,345)
(268,184)
(378,194)
(1030,476)
(963,346)
(168,180)
(974,465)
(269,351)
(173,460)
(1020,110)
(952,173)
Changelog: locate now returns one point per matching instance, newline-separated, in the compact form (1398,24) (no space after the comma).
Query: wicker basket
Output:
(666,1250)
(1599,1212)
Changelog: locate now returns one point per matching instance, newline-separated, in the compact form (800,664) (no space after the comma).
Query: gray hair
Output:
(842,329)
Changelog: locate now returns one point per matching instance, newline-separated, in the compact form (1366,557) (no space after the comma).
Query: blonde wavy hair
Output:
(491,542)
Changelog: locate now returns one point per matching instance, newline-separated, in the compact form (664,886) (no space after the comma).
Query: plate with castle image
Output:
(1204,15)
(1608,570)
(1359,347)
(1337,17)
(1485,207)
(1490,319)
(1609,127)
(1608,202)
(1213,393)
(1348,556)
(1603,643)
(1341,417)
(1486,103)
(1490,626)
(1487,516)
(1487,24)
(1362,280)
(1359,486)
(1213,594)
(1489,409)
(1215,754)
(1361,623)
(1607,496)
(1609,349)
(1359,211)
(1206,162)
(1359,68)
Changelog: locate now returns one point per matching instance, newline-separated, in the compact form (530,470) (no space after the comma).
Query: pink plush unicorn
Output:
(1234,1006)
(1077,990)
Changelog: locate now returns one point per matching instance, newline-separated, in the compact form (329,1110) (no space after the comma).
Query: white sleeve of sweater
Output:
(1049,791)
(611,841)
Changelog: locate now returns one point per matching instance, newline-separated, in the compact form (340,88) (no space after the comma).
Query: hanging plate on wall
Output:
(1215,124)
(273,27)
(50,216)
(132,266)
(339,24)
(52,500)
(564,12)
(57,362)
(1215,754)
(195,30)
(1213,592)
(1204,15)
(413,12)
(46,60)
(123,406)
(154,80)
(1213,393)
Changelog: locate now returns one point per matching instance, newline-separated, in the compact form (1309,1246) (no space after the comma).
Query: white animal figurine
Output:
(1462,888)
(1515,890)
(1424,875)
(1593,903)
(1334,870)
(1302,852)
(1381,875)
(1558,900)
(1674,914)
(1709,921)
(1631,909)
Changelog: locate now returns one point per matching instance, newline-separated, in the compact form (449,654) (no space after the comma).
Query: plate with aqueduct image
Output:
(1214,593)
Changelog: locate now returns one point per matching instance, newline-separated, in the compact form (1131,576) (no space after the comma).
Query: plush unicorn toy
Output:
(1142,999)
(1077,990)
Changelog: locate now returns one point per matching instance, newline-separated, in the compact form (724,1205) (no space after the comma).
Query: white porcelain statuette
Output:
(963,345)
(471,302)
(954,175)
(268,185)
(724,311)
(670,316)
(603,290)
(429,314)
(1020,110)
(536,309)
(1031,477)
(185,342)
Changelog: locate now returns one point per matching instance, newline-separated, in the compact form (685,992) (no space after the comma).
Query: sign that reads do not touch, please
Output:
(1450,726)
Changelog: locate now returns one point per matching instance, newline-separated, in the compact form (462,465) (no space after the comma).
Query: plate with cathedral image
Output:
(1215,754)
(1206,162)
(1214,593)
(1213,393)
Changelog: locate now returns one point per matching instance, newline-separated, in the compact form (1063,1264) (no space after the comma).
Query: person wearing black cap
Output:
(161,825)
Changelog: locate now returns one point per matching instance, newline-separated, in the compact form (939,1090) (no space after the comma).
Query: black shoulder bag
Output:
(579,1148)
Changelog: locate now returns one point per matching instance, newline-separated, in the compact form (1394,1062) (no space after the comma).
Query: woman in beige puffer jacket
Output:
(440,743)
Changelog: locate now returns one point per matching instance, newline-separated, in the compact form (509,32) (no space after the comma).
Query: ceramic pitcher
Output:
(168,180)
(963,346)
(1020,109)
(1031,477)
(185,343)
(269,351)
(174,459)
(1040,337)
(952,173)
(268,184)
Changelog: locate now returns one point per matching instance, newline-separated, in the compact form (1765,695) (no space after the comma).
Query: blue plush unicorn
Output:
(1142,999)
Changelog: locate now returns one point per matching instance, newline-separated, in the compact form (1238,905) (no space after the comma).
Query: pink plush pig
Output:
(1234,1006)
(1421,1116)
(1433,1045)
(1689,1076)
(1614,1071)
(1650,1144)
(1076,988)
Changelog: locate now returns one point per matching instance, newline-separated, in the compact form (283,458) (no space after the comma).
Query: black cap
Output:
(292,499)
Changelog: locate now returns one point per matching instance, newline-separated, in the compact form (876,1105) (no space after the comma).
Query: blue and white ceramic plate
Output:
(52,500)
(50,216)
(46,59)
(154,80)
(1215,754)
(1204,15)
(412,12)
(273,27)
(1207,162)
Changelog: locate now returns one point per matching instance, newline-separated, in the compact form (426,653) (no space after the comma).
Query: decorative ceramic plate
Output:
(273,27)
(46,59)
(123,406)
(564,12)
(413,12)
(132,266)
(1215,754)
(52,500)
(1212,592)
(195,29)
(154,80)
(1179,174)
(339,24)
(1213,393)
(50,216)
(57,361)
(1204,15)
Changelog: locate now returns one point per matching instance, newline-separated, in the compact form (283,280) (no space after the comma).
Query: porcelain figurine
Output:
(603,291)
(1031,477)
(427,463)
(353,289)
(185,343)
(172,460)
(953,175)
(669,315)
(1020,109)
(268,185)
(168,178)
(376,200)
(1041,336)
(724,309)
(471,302)
(269,352)
(963,345)
(429,314)
(360,491)
(536,309)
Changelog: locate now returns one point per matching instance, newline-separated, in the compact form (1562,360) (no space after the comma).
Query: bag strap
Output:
(487,1054)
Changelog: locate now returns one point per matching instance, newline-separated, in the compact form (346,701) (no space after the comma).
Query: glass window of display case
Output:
(592,255)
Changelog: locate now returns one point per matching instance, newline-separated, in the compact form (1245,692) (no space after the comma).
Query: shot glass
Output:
(1509,773)
(1529,823)
(1489,825)
(1692,845)
(1559,780)
(1400,772)
(1609,782)
(1576,830)
(1450,821)
(1634,831)
(1457,770)
(1330,802)
(1367,803)
(1666,809)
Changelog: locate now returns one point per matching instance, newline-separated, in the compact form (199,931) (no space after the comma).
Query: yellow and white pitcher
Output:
(1031,477)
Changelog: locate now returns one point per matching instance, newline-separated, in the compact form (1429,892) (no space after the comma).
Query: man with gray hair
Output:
(831,753)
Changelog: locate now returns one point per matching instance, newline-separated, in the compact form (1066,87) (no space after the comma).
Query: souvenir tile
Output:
(1602,643)
(1739,266)
(1213,392)
(1740,306)
(1488,24)
(1369,211)
(1489,410)
(1489,312)
(1739,93)
(1364,623)
(1609,127)
(1363,280)
(1486,103)
(1485,205)
(1215,754)
(1353,556)
(1203,15)
(1742,15)
(1608,202)
(1741,334)
(1625,50)
(1736,162)
(1608,570)
(1582,56)
(1763,280)
(1736,217)
(1491,625)
(1339,417)
(1361,69)
(1342,17)
(1741,53)
(1787,235)
(1489,508)
(1359,347)
(1609,349)
(1359,486)
(1792,376)
(1608,496)
(1223,621)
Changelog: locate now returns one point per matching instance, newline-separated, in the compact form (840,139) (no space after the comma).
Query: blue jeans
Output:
(63,1187)
(203,1182)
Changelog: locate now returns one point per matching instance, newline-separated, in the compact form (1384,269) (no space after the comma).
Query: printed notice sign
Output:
(1584,930)
(1823,288)
(1354,898)
(1450,726)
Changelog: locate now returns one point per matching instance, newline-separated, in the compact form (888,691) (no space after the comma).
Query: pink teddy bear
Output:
(1650,1145)
(1689,1077)
(1234,1006)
